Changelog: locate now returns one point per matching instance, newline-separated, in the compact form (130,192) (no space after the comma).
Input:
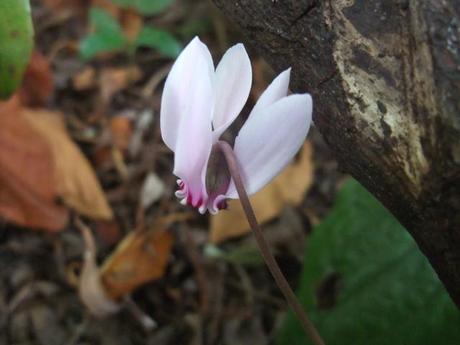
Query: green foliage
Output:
(108,37)
(16,43)
(146,7)
(373,284)
(163,41)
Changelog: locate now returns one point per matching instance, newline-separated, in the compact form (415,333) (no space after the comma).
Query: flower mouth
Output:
(217,182)
(213,202)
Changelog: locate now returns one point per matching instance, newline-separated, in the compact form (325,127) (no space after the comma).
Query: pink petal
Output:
(179,88)
(274,92)
(269,140)
(232,86)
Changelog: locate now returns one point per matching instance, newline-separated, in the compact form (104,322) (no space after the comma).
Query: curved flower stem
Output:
(281,281)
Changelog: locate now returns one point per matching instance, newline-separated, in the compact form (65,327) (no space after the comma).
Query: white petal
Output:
(274,92)
(269,140)
(232,84)
(179,87)
(186,112)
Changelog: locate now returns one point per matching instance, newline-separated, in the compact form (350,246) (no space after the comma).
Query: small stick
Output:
(272,265)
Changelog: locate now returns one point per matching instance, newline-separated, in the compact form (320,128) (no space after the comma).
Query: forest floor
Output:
(210,285)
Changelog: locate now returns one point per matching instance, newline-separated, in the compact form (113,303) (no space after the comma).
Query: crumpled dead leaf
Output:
(27,179)
(37,85)
(141,257)
(121,128)
(287,188)
(114,79)
(84,79)
(90,286)
(75,181)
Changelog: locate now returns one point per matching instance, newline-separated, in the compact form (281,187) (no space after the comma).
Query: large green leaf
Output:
(160,40)
(147,7)
(388,294)
(107,35)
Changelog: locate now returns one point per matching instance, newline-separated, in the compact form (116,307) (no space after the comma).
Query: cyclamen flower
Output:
(199,103)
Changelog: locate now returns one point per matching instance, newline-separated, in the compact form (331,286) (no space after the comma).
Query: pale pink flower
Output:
(199,103)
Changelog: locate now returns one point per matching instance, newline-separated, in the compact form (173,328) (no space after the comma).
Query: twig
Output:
(272,265)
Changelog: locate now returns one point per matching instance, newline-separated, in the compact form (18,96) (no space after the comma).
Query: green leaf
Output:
(16,43)
(146,7)
(107,36)
(375,286)
(160,40)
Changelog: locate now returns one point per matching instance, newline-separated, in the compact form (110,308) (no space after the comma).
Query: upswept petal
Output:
(269,140)
(232,84)
(183,78)
(193,130)
(274,92)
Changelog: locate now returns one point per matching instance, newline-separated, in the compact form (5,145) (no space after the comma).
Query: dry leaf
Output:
(85,79)
(122,130)
(37,85)
(90,287)
(27,181)
(113,80)
(141,257)
(131,22)
(287,188)
(76,181)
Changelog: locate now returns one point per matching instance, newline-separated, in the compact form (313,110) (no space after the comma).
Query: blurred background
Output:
(85,171)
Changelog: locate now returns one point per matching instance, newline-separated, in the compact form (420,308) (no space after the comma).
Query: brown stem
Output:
(272,265)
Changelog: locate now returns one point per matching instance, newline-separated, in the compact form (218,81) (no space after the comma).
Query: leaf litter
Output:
(107,107)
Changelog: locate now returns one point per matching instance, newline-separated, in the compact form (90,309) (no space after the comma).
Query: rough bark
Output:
(385,77)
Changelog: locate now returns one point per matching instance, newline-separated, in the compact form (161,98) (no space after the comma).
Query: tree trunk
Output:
(385,79)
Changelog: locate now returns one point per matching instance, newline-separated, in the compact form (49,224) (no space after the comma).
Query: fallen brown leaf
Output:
(287,188)
(37,85)
(27,180)
(122,130)
(112,80)
(90,287)
(84,79)
(75,181)
(141,257)
(131,22)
